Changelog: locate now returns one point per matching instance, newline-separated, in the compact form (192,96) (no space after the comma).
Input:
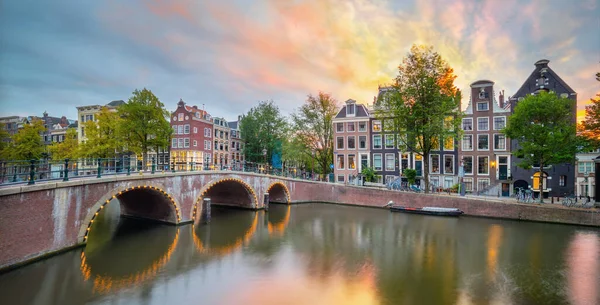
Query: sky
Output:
(227,55)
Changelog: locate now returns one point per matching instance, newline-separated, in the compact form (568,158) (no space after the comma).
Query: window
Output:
(362,126)
(467,142)
(340,178)
(195,143)
(174,129)
(483,124)
(403,161)
(388,125)
(585,167)
(351,143)
(376,126)
(351,162)
(340,161)
(195,129)
(482,142)
(206,145)
(180,143)
(350,109)
(351,126)
(216,145)
(435,164)
(483,106)
(449,143)
(339,127)
(180,117)
(389,141)
(468,165)
(448,164)
(174,143)
(186,129)
(362,142)
(562,180)
(499,142)
(186,142)
(377,141)
(82,132)
(483,165)
(377,162)
(340,143)
(499,122)
(82,119)
(483,183)
(390,162)
(179,129)
(364,161)
(468,184)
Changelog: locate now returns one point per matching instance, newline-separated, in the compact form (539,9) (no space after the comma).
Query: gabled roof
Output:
(361,111)
(233,125)
(529,86)
(116,103)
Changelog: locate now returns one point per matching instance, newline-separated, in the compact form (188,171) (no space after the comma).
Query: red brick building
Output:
(192,137)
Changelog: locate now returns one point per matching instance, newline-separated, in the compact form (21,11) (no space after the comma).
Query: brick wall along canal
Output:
(318,254)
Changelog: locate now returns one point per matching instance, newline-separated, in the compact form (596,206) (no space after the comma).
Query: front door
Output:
(505,190)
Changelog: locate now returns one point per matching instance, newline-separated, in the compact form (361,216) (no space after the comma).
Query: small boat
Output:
(428,211)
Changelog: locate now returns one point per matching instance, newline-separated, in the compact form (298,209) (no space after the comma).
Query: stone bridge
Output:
(38,220)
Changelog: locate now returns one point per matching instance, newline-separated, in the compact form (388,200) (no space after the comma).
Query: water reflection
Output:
(278,220)
(493,245)
(583,256)
(228,232)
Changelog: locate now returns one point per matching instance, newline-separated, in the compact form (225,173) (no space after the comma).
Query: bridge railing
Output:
(32,171)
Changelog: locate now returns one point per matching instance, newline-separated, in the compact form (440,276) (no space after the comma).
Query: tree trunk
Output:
(426,171)
(541,184)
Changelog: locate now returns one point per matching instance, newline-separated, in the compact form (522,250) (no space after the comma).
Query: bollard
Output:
(266,202)
(153,165)
(128,169)
(205,213)
(66,177)
(31,173)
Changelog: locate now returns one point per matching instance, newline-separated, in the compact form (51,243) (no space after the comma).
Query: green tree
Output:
(313,124)
(411,175)
(543,127)
(262,128)
(144,123)
(27,144)
(294,153)
(423,105)
(369,174)
(102,138)
(67,149)
(4,140)
(590,127)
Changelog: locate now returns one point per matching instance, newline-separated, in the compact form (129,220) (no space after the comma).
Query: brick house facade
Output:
(351,141)
(191,144)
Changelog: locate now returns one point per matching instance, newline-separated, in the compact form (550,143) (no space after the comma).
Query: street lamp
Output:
(264,151)
(312,175)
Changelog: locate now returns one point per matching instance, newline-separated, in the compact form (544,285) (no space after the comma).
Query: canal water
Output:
(318,254)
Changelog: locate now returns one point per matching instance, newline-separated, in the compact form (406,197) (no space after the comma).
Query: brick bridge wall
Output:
(44,218)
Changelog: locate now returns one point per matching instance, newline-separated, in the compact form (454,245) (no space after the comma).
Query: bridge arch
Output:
(144,201)
(279,192)
(227,191)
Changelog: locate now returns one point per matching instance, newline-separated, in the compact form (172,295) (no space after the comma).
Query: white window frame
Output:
(366,144)
(348,114)
(363,129)
(393,162)
(336,127)
(350,123)
(463,142)
(353,155)
(195,129)
(380,158)
(180,117)
(453,144)
(483,135)
(360,160)
(195,143)
(431,164)
(494,137)
(180,143)
(488,124)
(174,143)
(377,122)
(337,143)
(380,140)
(487,106)
(186,129)
(483,179)
(337,178)
(186,142)
(393,141)
(488,166)
(343,160)
(462,126)
(179,129)
(472,165)
(494,122)
(465,180)
(348,142)
(444,164)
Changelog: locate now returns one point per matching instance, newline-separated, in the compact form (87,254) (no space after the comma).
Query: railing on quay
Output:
(29,172)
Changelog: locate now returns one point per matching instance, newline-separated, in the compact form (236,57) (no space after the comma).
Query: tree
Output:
(411,175)
(27,143)
(4,140)
(313,124)
(67,149)
(144,123)
(369,174)
(590,127)
(102,138)
(423,105)
(294,152)
(543,127)
(262,128)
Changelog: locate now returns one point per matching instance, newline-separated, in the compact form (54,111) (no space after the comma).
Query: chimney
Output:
(239,118)
(501,98)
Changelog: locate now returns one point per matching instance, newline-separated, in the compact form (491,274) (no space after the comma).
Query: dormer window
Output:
(350,109)
(483,94)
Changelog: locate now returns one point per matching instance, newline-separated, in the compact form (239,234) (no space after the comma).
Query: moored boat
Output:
(428,211)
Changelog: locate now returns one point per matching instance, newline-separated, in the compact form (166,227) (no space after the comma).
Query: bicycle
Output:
(528,196)
(568,200)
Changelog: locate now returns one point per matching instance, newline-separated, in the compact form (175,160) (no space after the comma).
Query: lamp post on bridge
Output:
(264,151)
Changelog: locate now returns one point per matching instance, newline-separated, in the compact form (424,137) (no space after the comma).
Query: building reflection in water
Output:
(583,269)
(494,241)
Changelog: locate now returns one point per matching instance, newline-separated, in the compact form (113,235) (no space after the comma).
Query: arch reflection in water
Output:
(224,237)
(278,219)
(128,260)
